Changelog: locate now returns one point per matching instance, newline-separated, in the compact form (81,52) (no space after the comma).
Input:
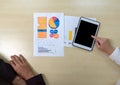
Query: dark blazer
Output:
(37,80)
(3,82)
(7,75)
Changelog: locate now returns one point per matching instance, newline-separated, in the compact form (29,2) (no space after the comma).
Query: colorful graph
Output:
(54,22)
(42,27)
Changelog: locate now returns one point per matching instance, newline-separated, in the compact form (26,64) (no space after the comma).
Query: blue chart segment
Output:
(54,22)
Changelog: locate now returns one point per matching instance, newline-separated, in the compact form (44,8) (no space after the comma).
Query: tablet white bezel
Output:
(90,21)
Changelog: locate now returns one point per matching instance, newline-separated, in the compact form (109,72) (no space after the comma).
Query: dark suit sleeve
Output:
(6,71)
(37,80)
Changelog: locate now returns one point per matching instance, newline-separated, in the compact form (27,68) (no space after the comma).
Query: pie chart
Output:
(54,22)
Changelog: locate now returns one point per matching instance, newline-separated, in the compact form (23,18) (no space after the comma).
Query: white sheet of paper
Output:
(49,34)
(71,23)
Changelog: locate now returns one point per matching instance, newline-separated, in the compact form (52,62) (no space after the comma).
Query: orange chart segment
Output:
(42,34)
(51,23)
(42,22)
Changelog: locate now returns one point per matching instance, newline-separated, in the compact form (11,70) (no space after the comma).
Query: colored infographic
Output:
(54,22)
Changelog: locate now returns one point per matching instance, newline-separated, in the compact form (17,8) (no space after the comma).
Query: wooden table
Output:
(77,67)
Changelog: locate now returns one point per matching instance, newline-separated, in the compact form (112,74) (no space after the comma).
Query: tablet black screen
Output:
(84,32)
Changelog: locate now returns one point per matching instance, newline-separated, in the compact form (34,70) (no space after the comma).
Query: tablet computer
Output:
(82,38)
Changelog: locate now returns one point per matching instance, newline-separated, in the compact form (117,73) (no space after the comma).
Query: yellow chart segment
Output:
(51,23)
(70,35)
